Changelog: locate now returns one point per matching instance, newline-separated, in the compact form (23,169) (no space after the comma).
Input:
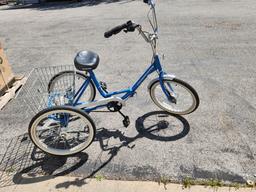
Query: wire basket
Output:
(36,94)
(32,98)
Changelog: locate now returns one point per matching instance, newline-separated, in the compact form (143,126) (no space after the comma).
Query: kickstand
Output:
(126,120)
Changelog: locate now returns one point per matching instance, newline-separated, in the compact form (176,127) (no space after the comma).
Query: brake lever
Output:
(131,27)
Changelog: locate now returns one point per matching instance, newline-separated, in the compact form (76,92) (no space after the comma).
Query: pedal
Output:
(103,86)
(126,121)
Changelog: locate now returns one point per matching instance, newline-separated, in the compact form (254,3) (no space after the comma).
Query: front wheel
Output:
(62,131)
(185,96)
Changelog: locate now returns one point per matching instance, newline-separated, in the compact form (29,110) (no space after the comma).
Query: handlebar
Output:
(115,30)
(129,26)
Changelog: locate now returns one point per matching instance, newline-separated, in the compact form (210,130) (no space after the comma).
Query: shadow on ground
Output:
(22,163)
(64,4)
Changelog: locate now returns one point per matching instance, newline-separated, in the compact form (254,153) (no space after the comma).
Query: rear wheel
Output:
(62,131)
(186,97)
(71,81)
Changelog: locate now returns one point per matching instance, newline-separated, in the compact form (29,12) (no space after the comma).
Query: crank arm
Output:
(100,102)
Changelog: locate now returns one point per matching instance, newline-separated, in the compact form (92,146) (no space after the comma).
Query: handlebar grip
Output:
(115,30)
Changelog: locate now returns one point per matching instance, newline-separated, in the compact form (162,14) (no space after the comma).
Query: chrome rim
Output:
(185,99)
(52,136)
(64,83)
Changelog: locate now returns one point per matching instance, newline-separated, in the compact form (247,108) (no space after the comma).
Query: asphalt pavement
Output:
(209,44)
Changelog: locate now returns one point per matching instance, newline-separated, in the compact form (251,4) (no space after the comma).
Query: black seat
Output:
(86,60)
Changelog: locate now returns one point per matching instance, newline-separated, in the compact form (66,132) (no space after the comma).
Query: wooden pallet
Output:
(11,92)
(9,83)
(7,78)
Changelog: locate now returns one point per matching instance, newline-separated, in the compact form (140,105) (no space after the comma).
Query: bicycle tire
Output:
(61,75)
(44,114)
(188,88)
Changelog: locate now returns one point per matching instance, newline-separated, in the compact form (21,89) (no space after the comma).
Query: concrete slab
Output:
(76,184)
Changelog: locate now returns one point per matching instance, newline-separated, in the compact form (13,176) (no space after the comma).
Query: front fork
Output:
(168,91)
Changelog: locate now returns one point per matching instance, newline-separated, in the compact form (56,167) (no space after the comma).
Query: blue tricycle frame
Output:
(75,109)
(154,67)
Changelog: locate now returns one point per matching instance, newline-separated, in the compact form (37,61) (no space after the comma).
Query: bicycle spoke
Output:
(67,131)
